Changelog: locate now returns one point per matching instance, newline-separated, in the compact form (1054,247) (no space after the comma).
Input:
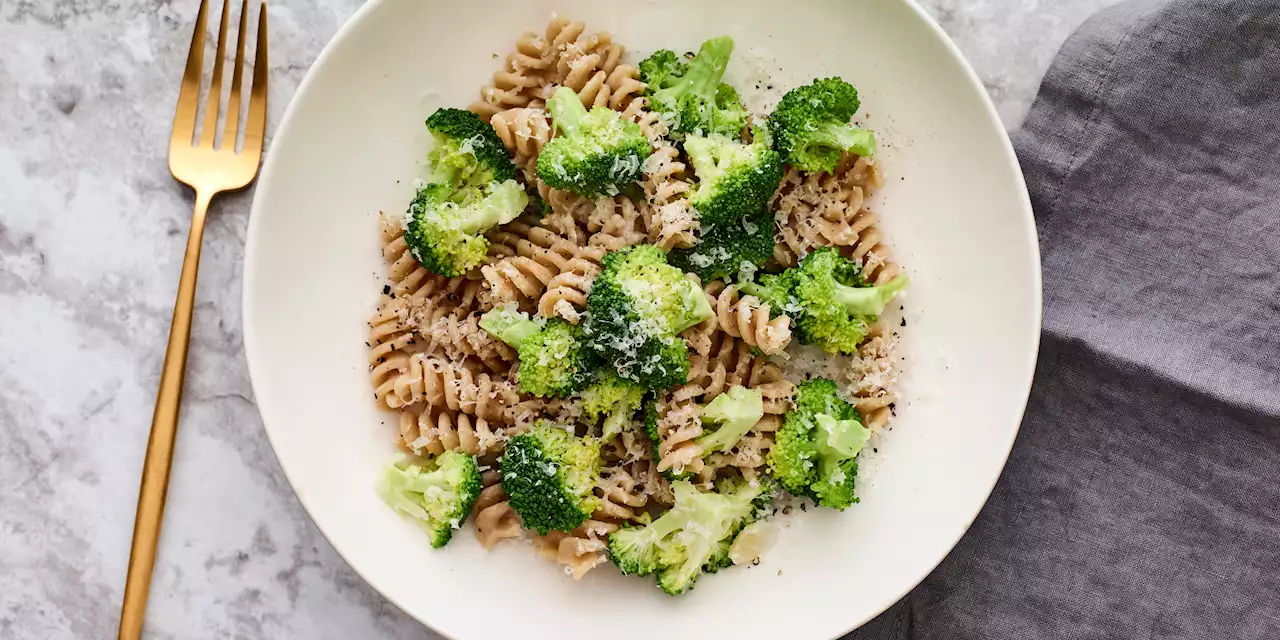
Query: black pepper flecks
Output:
(904,323)
(386,288)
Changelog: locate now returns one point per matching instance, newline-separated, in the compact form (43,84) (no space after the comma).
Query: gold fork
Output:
(209,169)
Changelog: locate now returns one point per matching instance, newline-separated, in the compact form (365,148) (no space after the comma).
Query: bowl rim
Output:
(889,599)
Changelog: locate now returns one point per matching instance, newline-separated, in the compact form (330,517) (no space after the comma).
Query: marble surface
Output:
(92,229)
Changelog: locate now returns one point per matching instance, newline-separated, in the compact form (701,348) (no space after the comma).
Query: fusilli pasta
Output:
(455,388)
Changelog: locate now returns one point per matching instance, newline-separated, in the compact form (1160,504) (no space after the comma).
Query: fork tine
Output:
(210,128)
(184,116)
(256,123)
(237,77)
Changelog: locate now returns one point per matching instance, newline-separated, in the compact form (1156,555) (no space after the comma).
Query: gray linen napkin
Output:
(1142,499)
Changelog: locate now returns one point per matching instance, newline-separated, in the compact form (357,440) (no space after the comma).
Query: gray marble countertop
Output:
(92,229)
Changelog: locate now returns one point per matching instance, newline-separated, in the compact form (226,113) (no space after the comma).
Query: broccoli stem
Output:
(667,524)
(707,68)
(869,301)
(842,137)
(566,110)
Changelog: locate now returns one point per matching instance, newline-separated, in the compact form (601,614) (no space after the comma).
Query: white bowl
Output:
(955,209)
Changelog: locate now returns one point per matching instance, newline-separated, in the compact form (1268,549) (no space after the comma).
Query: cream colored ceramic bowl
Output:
(955,209)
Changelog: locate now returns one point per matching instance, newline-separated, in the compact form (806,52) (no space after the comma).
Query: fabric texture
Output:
(1142,499)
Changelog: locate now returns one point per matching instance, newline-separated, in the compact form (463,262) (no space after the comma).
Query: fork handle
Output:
(164,429)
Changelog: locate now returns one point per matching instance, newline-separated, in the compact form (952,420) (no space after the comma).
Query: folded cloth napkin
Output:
(1142,499)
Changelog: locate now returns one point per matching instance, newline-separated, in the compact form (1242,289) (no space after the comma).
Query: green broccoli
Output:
(509,324)
(812,129)
(550,475)
(733,179)
(828,299)
(690,97)
(736,411)
(637,308)
(662,70)
(816,450)
(554,362)
(723,250)
(596,152)
(472,188)
(437,493)
(613,397)
(693,537)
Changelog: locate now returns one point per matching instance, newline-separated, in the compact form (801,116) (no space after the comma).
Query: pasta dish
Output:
(603,304)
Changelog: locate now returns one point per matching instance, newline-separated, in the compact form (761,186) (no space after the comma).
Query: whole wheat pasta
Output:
(433,430)
(616,222)
(567,291)
(524,131)
(495,519)
(827,209)
(580,550)
(451,386)
(519,82)
(460,338)
(669,219)
(748,318)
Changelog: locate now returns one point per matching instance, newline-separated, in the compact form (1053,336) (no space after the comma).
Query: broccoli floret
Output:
(467,150)
(773,289)
(444,233)
(596,152)
(549,475)
(734,179)
(828,299)
(509,324)
(614,398)
(689,96)
(436,493)
(736,411)
(722,249)
(812,129)
(637,308)
(816,450)
(472,188)
(693,537)
(662,70)
(554,361)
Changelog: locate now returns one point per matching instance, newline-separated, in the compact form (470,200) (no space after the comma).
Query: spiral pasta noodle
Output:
(524,278)
(669,219)
(524,131)
(433,430)
(580,550)
(871,375)
(566,293)
(623,495)
(616,222)
(827,209)
(520,81)
(747,318)
(451,386)
(580,61)
(749,456)
(679,425)
(458,339)
(494,518)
